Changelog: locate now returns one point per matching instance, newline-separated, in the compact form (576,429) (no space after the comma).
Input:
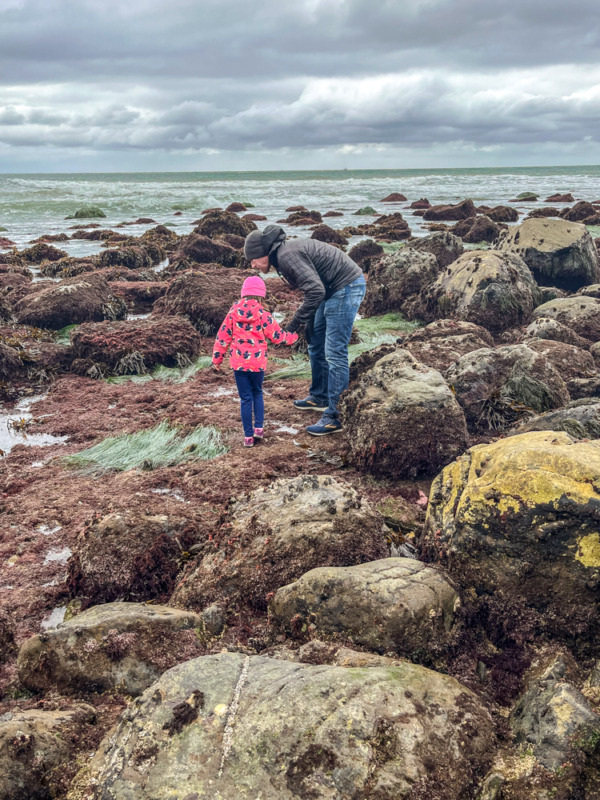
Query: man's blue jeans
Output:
(249,386)
(328,349)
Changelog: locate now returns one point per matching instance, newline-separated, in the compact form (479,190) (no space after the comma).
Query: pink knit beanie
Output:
(254,286)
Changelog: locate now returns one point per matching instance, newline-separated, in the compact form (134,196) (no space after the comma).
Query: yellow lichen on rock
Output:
(588,550)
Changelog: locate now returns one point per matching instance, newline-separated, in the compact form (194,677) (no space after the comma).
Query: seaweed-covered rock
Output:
(388,228)
(140,296)
(396,604)
(580,419)
(517,521)
(72,301)
(6,314)
(442,343)
(41,252)
(396,278)
(497,386)
(568,360)
(579,313)
(69,267)
(215,223)
(462,210)
(366,253)
(134,257)
(503,214)
(579,212)
(192,294)
(476,229)
(546,211)
(560,198)
(100,235)
(495,290)
(198,249)
(7,636)
(548,328)
(276,534)
(394,197)
(10,363)
(127,556)
(122,646)
(445,246)
(326,234)
(34,744)
(402,418)
(301,731)
(558,253)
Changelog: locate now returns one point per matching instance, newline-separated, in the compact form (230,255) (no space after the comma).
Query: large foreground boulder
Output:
(192,294)
(70,302)
(398,278)
(35,743)
(233,727)
(517,521)
(396,604)
(137,346)
(402,419)
(557,252)
(495,290)
(127,556)
(277,534)
(579,313)
(123,646)
(497,386)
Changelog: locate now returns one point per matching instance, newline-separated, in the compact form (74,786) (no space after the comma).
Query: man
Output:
(333,287)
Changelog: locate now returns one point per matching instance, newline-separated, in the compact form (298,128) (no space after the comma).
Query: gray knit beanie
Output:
(259,244)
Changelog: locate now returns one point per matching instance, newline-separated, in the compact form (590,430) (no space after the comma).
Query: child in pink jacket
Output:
(245,330)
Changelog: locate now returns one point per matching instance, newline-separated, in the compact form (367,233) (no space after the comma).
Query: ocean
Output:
(34,204)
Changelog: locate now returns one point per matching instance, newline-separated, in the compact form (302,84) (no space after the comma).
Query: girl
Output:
(246,329)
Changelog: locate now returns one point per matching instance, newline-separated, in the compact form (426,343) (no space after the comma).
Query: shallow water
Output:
(54,618)
(9,437)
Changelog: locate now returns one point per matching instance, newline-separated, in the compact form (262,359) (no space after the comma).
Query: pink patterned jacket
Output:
(246,329)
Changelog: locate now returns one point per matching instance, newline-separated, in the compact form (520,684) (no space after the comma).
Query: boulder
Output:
(548,328)
(140,296)
(558,253)
(442,343)
(580,313)
(7,636)
(70,302)
(366,211)
(548,211)
(230,726)
(332,214)
(197,249)
(552,717)
(568,360)
(402,419)
(135,257)
(395,197)
(423,203)
(35,745)
(444,245)
(258,217)
(387,228)
(87,212)
(127,556)
(579,212)
(476,229)
(517,521)
(397,278)
(122,646)
(497,386)
(278,533)
(580,419)
(323,233)
(303,217)
(503,214)
(462,210)
(215,223)
(41,252)
(395,604)
(6,314)
(366,254)
(495,290)
(192,294)
(291,209)
(560,198)
(525,197)
(236,207)
(69,267)
(99,235)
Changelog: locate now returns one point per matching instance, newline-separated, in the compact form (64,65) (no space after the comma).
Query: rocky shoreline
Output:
(408,611)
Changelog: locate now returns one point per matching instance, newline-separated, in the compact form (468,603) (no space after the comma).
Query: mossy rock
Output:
(516,522)
(527,196)
(366,211)
(87,212)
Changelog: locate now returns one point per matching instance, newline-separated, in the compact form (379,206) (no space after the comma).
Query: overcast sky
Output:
(101,85)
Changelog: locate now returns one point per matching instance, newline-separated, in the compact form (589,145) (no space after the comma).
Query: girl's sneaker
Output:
(259,433)
(248,441)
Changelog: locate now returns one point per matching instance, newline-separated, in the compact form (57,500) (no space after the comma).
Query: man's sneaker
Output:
(259,433)
(324,426)
(248,441)
(310,404)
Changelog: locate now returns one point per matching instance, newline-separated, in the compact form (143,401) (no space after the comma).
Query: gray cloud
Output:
(220,75)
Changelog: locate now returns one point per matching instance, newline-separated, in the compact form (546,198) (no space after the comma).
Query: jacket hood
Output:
(246,310)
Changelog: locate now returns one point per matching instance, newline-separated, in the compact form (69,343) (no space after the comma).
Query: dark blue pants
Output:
(249,386)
